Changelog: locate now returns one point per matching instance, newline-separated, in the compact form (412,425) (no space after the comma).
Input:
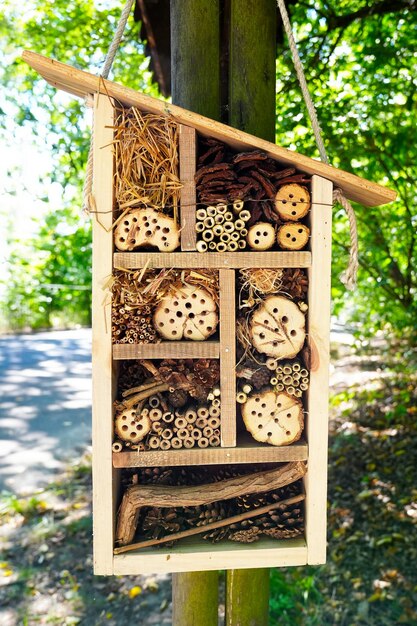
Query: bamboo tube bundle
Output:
(222,227)
(291,377)
(171,404)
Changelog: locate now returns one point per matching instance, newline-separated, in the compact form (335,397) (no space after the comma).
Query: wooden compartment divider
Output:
(168,350)
(227,357)
(235,260)
(188,156)
(245,453)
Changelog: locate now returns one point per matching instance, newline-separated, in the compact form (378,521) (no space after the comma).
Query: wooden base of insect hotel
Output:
(211,315)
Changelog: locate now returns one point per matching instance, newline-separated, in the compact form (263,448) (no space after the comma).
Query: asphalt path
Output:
(45,405)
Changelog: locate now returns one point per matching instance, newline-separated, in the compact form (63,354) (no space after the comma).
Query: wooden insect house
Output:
(211,315)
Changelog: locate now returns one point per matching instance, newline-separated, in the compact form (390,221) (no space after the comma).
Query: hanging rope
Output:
(88,200)
(349,277)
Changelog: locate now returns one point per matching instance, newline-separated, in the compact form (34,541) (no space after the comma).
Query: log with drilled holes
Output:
(278,328)
(147,227)
(187,312)
(275,418)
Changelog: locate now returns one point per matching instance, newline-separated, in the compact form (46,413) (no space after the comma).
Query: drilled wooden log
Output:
(137,496)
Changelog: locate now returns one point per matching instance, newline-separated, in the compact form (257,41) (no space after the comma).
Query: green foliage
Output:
(49,278)
(290,598)
(361,65)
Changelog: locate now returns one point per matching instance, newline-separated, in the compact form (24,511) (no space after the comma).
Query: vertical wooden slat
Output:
(188,155)
(318,397)
(103,503)
(227,357)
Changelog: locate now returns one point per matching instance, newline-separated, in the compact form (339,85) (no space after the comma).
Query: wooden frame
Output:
(194,553)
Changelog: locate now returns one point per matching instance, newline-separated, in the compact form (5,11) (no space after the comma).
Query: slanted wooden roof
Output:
(81,84)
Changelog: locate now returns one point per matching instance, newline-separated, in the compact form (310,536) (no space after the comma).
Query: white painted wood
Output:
(318,396)
(194,555)
(103,496)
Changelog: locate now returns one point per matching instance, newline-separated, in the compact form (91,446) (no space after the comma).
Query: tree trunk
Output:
(247,49)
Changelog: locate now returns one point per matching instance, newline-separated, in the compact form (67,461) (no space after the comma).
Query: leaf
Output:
(134,591)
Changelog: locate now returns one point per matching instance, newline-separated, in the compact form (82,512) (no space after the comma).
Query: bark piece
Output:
(277,328)
(188,312)
(293,236)
(292,202)
(275,418)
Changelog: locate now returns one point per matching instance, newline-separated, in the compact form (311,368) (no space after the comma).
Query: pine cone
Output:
(295,283)
(286,533)
(260,377)
(246,536)
(178,398)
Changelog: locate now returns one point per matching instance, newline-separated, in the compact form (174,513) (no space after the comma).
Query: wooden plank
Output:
(318,395)
(103,501)
(167,350)
(188,156)
(246,452)
(195,555)
(355,188)
(134,260)
(227,357)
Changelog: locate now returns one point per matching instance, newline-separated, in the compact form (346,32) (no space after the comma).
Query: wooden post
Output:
(195,80)
(195,42)
(253,26)
(247,597)
(195,599)
(252,109)
(195,55)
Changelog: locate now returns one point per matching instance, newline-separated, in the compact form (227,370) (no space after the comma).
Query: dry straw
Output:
(146,161)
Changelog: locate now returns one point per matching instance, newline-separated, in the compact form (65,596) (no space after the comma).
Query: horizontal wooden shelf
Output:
(134,260)
(188,554)
(167,350)
(248,452)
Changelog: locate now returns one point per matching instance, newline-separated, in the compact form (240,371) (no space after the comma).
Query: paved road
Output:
(45,405)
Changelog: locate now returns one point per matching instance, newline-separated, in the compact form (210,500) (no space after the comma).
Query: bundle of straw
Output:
(146,161)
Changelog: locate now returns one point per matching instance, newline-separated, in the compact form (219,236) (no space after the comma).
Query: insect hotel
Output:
(211,312)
